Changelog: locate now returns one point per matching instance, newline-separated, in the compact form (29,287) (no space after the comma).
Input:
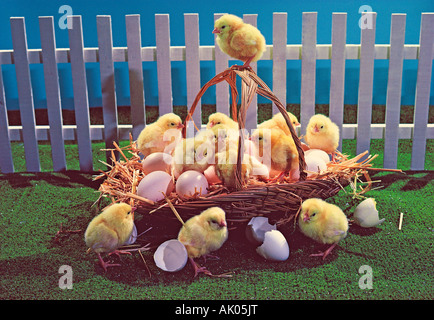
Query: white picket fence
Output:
(192,53)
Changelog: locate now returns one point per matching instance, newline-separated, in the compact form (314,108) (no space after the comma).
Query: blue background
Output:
(32,9)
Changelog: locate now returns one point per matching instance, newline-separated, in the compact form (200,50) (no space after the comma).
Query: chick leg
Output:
(198,269)
(104,264)
(325,253)
(119,252)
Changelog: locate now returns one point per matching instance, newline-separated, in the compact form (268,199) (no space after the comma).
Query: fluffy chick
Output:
(203,234)
(159,135)
(323,222)
(226,166)
(109,230)
(221,121)
(322,133)
(192,154)
(278,121)
(282,149)
(239,40)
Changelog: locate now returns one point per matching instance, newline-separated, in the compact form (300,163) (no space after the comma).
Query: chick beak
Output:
(316,129)
(216,31)
(306,217)
(222,223)
(132,210)
(211,124)
(180,126)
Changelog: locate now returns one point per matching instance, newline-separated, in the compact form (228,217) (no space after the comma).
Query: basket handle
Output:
(250,85)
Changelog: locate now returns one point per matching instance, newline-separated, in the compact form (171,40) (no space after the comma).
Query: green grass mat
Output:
(34,205)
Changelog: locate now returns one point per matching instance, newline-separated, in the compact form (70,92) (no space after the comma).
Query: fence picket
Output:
(337,71)
(279,57)
(308,68)
(394,84)
(6,160)
(162,39)
(423,86)
(25,94)
(222,88)
(110,115)
(135,71)
(81,102)
(52,92)
(366,77)
(192,64)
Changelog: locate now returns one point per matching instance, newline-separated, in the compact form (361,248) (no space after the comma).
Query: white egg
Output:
(314,164)
(190,182)
(256,229)
(171,256)
(275,246)
(154,184)
(157,161)
(317,153)
(366,214)
(133,237)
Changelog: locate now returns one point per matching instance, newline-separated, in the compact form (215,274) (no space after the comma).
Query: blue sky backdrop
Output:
(32,9)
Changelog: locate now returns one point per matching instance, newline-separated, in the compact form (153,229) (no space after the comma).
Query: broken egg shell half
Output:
(157,161)
(366,214)
(133,237)
(171,256)
(256,229)
(275,246)
(314,164)
(317,153)
(211,175)
(153,185)
(191,181)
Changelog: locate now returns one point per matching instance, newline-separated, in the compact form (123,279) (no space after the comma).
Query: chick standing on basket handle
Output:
(238,39)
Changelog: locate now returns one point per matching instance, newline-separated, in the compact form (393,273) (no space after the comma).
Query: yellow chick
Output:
(278,121)
(203,234)
(322,133)
(239,40)
(109,230)
(192,154)
(222,121)
(226,166)
(161,135)
(282,151)
(323,222)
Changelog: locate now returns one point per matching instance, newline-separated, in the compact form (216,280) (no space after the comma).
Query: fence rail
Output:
(192,53)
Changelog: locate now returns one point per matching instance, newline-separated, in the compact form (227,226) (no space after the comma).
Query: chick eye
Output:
(223,27)
(313,214)
(218,122)
(260,138)
(322,127)
(172,124)
(205,153)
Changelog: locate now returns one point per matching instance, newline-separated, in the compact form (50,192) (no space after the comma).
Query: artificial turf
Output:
(34,205)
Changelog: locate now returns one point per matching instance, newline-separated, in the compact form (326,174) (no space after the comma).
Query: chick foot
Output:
(106,265)
(198,269)
(325,253)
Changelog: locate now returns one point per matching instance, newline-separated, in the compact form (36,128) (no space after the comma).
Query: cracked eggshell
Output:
(153,184)
(314,164)
(318,153)
(211,176)
(366,214)
(171,256)
(157,161)
(275,246)
(256,229)
(133,237)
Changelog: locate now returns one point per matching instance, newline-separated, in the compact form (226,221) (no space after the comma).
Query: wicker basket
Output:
(280,202)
